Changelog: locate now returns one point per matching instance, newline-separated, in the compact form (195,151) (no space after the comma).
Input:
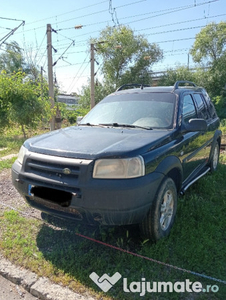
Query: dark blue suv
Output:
(127,160)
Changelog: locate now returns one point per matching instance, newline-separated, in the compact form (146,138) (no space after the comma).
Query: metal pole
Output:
(92,90)
(42,83)
(50,73)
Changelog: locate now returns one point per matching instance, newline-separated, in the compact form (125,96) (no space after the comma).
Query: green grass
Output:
(10,144)
(223,158)
(223,126)
(12,139)
(197,243)
(7,164)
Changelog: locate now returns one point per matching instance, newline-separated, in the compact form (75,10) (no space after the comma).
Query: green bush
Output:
(71,115)
(220,105)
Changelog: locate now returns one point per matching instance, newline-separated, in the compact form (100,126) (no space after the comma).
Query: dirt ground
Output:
(10,198)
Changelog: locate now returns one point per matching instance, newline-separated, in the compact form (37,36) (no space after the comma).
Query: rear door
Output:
(205,113)
(195,150)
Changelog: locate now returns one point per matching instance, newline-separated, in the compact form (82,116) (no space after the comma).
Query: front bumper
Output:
(108,202)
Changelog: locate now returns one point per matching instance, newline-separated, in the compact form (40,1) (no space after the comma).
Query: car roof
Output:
(147,90)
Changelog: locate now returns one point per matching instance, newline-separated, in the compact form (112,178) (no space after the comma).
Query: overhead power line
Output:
(166,11)
(177,50)
(181,22)
(69,12)
(174,10)
(180,29)
(71,65)
(177,40)
(72,83)
(10,19)
(40,47)
(72,43)
(5,38)
(83,16)
(143,29)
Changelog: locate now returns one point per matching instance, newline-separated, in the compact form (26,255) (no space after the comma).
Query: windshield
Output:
(147,110)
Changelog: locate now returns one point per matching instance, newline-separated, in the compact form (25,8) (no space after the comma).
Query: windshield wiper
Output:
(125,125)
(89,124)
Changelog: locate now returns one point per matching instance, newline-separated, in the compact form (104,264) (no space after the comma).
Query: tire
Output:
(160,219)
(215,158)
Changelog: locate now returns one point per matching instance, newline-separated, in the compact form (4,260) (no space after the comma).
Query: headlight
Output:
(119,168)
(21,154)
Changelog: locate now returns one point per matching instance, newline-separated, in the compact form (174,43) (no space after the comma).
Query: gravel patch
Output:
(11,199)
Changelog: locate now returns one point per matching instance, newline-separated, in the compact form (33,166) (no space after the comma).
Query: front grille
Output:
(48,169)
(57,172)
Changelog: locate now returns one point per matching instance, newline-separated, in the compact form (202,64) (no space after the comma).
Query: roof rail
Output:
(134,85)
(177,83)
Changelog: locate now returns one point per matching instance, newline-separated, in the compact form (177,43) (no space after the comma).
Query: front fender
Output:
(171,167)
(169,163)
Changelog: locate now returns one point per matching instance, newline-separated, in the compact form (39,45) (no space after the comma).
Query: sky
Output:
(173,25)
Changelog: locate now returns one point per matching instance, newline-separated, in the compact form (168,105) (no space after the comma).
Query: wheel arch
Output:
(171,167)
(216,139)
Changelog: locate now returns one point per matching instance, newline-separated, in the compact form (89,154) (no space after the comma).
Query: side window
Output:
(189,111)
(202,109)
(212,110)
(210,105)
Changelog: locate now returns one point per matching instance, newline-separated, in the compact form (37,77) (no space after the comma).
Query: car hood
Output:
(87,142)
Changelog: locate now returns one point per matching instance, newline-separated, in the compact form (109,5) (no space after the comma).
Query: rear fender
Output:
(216,139)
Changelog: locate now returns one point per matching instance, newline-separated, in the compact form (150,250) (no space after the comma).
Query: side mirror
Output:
(194,125)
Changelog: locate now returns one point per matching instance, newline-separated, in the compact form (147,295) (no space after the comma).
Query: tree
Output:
(212,79)
(210,43)
(21,102)
(210,49)
(101,90)
(126,57)
(179,73)
(13,60)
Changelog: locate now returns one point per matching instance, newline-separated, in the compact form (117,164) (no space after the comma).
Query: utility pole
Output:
(92,90)
(42,82)
(50,73)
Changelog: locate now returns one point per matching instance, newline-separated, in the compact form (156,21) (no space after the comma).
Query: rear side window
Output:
(202,109)
(189,111)
(210,105)
(212,110)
